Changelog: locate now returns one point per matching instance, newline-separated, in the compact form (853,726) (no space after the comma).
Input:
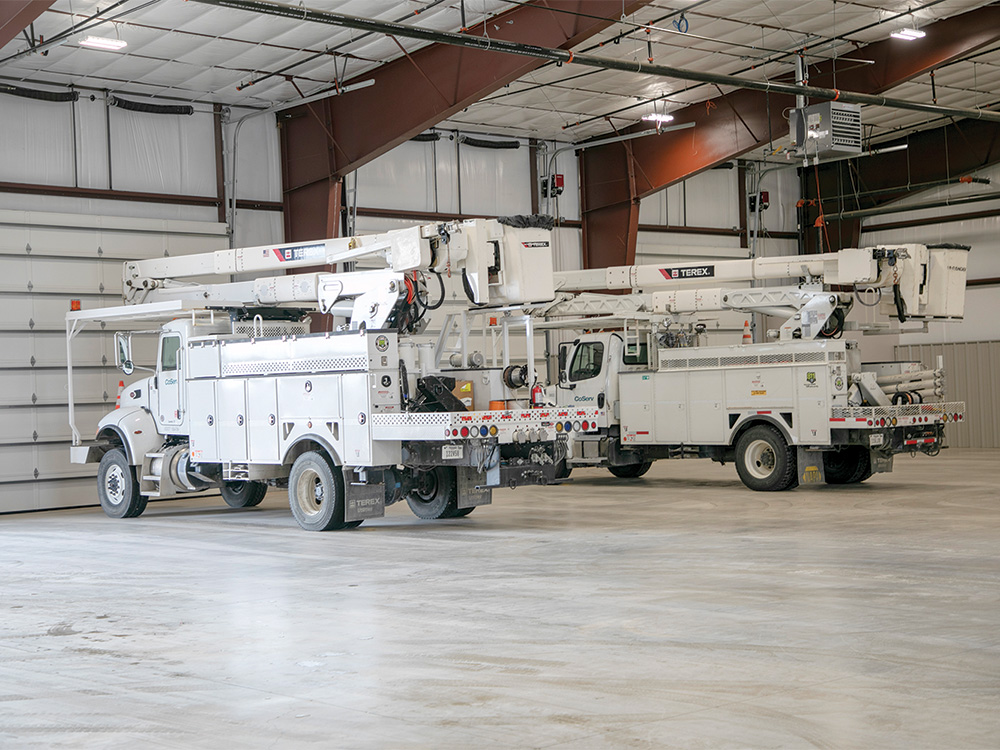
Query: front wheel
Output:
(436,495)
(764,460)
(316,493)
(851,465)
(630,471)
(243,494)
(118,487)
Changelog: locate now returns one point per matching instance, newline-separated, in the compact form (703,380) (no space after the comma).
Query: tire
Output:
(243,494)
(563,470)
(630,471)
(437,497)
(764,460)
(462,512)
(316,494)
(118,487)
(852,465)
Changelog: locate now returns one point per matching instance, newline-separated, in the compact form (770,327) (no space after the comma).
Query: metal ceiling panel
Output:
(172,43)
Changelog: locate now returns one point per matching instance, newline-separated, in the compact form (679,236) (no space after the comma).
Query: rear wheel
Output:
(764,460)
(630,471)
(118,487)
(243,494)
(851,465)
(316,494)
(462,512)
(436,495)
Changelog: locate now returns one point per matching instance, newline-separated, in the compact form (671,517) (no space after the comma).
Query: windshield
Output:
(587,361)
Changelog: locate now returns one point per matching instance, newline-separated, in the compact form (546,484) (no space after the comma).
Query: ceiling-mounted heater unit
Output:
(826,130)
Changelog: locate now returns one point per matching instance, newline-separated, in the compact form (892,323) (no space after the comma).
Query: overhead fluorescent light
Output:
(100,42)
(656,117)
(908,34)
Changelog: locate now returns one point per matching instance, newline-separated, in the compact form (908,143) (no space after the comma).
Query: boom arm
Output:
(499,263)
(852,266)
(921,282)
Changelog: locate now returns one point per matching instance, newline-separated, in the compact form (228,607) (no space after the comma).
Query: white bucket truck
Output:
(243,396)
(802,407)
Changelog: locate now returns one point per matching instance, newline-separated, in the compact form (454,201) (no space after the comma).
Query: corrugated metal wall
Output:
(972,375)
(45,261)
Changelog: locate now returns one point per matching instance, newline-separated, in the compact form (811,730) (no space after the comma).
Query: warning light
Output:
(465,432)
(74,305)
(494,430)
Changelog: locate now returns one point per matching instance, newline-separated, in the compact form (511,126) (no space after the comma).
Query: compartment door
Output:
(262,417)
(671,403)
(706,418)
(637,407)
(232,419)
(204,421)
(357,420)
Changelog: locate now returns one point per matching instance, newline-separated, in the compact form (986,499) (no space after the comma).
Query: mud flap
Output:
(471,492)
(810,465)
(362,500)
(881,463)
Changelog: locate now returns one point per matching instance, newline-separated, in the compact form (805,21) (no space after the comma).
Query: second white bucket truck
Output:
(801,407)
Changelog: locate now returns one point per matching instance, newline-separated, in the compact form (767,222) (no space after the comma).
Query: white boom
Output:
(922,283)
(499,263)
(850,266)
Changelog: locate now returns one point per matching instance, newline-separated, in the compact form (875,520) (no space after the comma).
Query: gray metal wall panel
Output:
(972,375)
(46,260)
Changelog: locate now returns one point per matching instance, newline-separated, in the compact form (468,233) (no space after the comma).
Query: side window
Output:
(169,347)
(637,357)
(587,361)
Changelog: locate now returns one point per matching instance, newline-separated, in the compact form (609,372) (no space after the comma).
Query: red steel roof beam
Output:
(731,125)
(17,15)
(415,92)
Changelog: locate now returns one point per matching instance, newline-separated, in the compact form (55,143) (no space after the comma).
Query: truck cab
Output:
(589,367)
(163,393)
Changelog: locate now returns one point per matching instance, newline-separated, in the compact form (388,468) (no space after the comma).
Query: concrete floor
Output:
(679,610)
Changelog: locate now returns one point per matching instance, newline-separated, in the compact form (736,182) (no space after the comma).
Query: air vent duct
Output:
(45,96)
(152,109)
(466,140)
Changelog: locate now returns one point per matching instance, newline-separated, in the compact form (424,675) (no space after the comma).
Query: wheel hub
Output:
(114,485)
(309,492)
(427,488)
(760,459)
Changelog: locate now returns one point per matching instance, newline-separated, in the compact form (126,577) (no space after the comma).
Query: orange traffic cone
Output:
(747,338)
(121,388)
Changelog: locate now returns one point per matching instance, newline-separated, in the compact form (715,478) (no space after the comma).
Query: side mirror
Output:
(563,359)
(123,352)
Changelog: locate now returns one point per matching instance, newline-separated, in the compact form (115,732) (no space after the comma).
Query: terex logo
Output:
(535,244)
(583,398)
(689,272)
(302,252)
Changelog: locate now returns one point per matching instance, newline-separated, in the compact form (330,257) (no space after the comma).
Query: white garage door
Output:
(46,260)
